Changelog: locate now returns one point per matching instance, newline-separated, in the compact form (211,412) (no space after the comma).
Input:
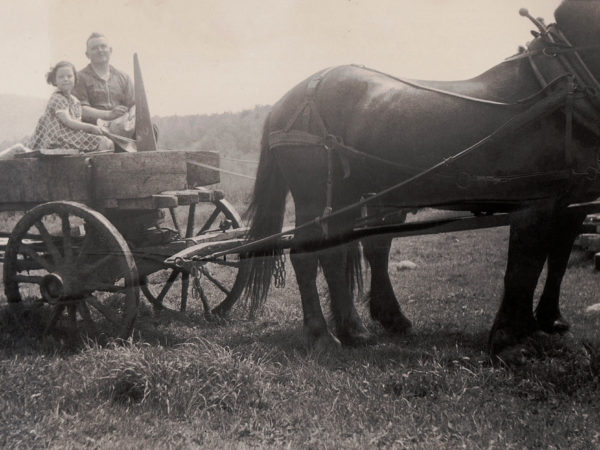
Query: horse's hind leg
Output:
(349,328)
(316,333)
(564,231)
(383,304)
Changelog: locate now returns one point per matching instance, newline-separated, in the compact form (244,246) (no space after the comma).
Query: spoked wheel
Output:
(73,269)
(216,284)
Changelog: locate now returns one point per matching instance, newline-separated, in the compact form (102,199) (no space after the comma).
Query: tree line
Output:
(230,134)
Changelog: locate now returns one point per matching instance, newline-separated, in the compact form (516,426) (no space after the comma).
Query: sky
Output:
(214,56)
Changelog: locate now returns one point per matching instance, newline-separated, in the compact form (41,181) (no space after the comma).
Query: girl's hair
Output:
(51,76)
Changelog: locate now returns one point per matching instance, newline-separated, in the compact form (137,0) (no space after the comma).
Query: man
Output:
(104,92)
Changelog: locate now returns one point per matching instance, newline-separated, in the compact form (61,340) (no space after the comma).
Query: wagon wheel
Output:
(68,263)
(218,286)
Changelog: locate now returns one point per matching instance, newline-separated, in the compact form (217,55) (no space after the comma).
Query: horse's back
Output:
(378,113)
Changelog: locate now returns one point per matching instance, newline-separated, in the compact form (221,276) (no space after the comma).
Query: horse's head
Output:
(579,20)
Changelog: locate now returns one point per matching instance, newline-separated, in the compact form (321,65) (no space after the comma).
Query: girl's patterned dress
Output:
(51,133)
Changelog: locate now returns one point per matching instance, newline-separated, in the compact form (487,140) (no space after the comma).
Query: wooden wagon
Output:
(97,228)
(85,257)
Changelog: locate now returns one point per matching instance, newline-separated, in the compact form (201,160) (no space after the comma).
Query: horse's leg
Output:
(383,305)
(526,256)
(316,334)
(564,231)
(305,260)
(349,328)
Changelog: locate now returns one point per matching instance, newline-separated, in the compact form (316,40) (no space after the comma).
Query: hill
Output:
(231,134)
(235,136)
(18,116)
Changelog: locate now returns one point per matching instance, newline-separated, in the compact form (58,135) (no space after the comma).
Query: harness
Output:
(576,80)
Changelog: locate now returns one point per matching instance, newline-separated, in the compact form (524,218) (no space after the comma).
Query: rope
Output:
(467,97)
(247,161)
(218,169)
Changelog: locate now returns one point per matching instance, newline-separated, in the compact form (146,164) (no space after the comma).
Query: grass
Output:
(183,381)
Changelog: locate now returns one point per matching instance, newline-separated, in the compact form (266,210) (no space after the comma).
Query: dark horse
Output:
(522,137)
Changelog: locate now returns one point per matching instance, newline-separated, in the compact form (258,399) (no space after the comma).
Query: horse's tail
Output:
(354,268)
(265,215)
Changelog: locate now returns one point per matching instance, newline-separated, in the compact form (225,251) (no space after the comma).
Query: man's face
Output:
(98,50)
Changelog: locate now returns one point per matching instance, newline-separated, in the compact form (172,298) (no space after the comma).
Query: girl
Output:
(61,125)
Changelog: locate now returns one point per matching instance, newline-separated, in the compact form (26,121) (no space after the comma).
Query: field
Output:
(183,381)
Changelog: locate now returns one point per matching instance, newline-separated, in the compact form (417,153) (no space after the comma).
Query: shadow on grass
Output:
(21,333)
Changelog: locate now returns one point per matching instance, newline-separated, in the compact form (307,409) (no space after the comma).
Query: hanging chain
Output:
(279,273)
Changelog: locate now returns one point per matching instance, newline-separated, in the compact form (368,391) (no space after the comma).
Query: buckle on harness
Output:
(590,174)
(330,142)
(550,52)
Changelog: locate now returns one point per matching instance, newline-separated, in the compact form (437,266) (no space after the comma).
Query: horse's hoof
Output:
(321,341)
(399,325)
(356,339)
(390,318)
(558,326)
(501,339)
(216,319)
(515,355)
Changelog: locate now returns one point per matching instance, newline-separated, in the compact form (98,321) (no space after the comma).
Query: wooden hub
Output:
(52,288)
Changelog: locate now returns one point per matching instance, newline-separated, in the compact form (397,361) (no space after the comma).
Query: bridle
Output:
(557,45)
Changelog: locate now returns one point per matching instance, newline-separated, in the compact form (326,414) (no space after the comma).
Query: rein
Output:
(548,104)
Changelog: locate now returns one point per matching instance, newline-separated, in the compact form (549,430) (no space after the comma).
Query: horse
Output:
(523,137)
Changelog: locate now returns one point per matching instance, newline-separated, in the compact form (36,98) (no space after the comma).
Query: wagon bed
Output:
(143,180)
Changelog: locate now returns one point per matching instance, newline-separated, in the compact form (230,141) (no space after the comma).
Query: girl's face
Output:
(65,79)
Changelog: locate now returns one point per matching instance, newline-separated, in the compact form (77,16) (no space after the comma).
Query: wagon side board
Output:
(103,180)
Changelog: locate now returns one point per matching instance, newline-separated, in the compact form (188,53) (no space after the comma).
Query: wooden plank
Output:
(152,202)
(588,242)
(185,197)
(109,203)
(118,176)
(36,180)
(589,228)
(59,151)
(138,175)
(164,201)
(209,195)
(199,175)
(17,206)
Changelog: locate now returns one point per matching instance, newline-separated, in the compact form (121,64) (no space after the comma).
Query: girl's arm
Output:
(65,118)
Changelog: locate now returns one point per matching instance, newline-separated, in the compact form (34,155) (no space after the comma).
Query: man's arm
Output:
(90,114)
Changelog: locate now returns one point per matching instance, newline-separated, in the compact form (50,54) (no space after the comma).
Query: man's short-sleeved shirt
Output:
(91,90)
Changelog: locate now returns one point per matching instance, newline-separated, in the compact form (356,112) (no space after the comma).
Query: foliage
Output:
(230,134)
(235,136)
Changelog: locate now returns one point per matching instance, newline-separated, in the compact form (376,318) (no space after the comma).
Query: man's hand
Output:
(117,111)
(99,130)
